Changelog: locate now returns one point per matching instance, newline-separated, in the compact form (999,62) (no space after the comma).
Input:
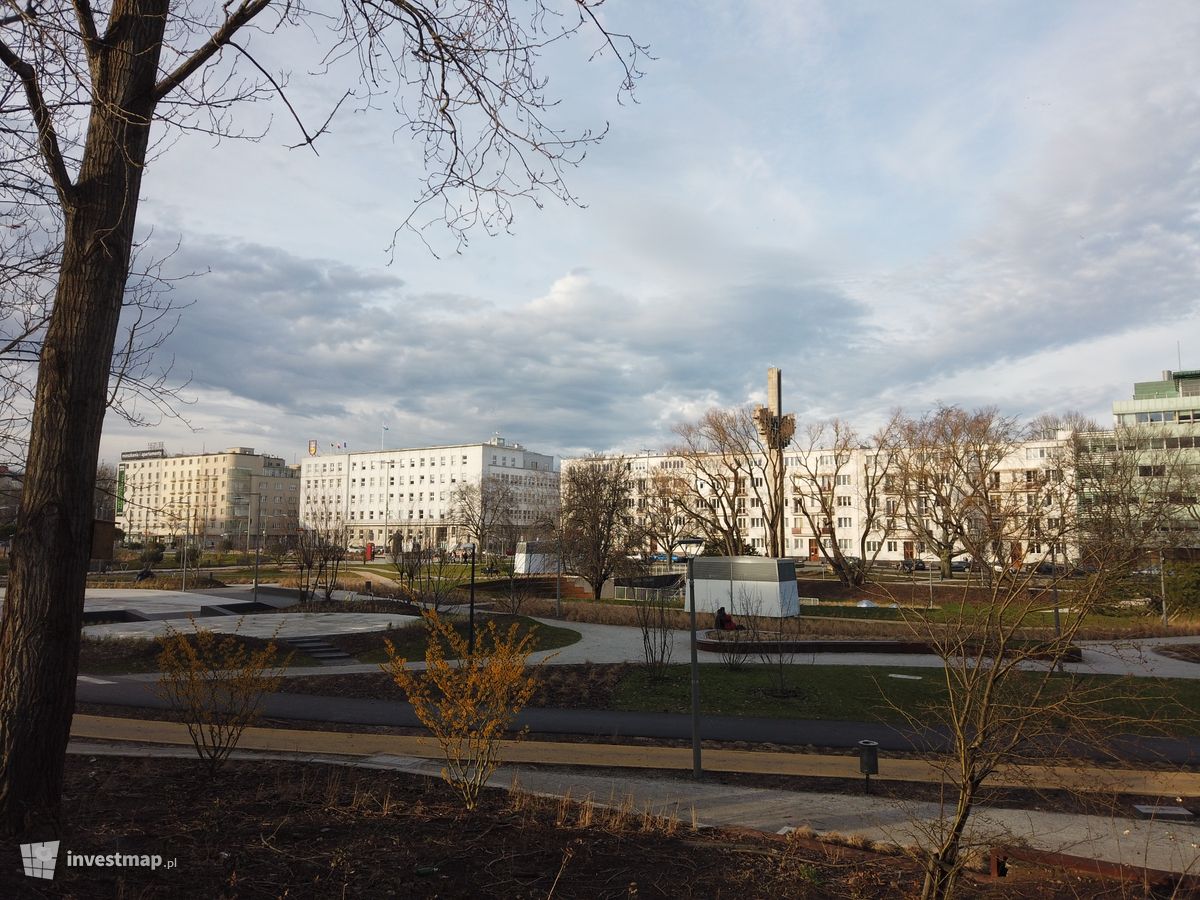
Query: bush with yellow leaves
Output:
(217,684)
(468,702)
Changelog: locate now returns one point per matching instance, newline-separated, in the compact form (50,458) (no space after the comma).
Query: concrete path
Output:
(616,643)
(275,625)
(1156,844)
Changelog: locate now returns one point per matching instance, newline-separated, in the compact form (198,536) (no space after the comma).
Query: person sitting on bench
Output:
(725,622)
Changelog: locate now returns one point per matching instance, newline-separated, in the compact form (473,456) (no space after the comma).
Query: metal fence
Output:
(648,595)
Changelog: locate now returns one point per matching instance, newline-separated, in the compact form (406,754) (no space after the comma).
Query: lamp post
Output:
(1054,587)
(697,769)
(1162,586)
(1049,501)
(257,537)
(471,609)
(183,551)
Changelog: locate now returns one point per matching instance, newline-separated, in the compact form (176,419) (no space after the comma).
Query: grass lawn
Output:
(867,693)
(411,640)
(124,656)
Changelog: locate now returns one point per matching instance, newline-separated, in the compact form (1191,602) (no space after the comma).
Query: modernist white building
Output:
(1018,475)
(377,494)
(234,497)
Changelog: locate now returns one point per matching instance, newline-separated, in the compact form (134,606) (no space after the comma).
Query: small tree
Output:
(469,704)
(658,637)
(217,684)
(737,643)
(517,591)
(152,554)
(598,530)
(438,578)
(484,511)
(771,646)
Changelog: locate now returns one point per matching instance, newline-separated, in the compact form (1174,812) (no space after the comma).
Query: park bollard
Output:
(868,762)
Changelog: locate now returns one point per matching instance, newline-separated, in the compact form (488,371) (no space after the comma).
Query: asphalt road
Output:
(613,724)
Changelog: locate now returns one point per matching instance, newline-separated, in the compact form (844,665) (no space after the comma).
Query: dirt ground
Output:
(272,829)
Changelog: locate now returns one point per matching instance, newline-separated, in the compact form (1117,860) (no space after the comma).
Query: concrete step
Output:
(320,650)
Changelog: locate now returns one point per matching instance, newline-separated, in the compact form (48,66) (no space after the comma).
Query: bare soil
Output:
(276,829)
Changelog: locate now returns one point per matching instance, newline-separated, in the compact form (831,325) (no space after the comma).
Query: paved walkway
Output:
(612,643)
(1156,844)
(276,625)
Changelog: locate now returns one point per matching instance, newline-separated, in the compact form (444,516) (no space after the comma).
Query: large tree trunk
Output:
(39,632)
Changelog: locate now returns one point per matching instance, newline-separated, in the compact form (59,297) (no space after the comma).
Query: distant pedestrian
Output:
(725,622)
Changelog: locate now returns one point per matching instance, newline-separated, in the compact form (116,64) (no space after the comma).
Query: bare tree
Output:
(438,578)
(105,504)
(725,461)
(1047,426)
(1006,701)
(325,539)
(82,89)
(661,514)
(1130,490)
(484,510)
(406,558)
(943,471)
(654,618)
(308,554)
(837,487)
(599,532)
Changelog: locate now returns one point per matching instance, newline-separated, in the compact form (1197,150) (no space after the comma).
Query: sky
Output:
(899,205)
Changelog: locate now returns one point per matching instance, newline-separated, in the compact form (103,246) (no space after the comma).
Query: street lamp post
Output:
(471,609)
(1162,587)
(697,769)
(257,537)
(1054,587)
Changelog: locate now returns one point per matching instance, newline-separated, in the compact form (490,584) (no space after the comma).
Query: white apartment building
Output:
(376,494)
(234,497)
(1018,476)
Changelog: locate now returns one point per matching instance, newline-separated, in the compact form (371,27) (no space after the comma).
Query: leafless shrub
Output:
(658,638)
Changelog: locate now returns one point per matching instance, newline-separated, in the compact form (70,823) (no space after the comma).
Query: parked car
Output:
(1050,570)
(960,565)
(851,563)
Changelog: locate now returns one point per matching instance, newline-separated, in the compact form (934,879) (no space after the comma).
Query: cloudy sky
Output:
(993,202)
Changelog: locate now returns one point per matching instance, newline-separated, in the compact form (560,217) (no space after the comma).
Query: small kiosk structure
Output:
(745,585)
(536,558)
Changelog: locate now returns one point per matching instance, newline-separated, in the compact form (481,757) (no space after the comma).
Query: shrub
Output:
(469,704)
(217,683)
(152,555)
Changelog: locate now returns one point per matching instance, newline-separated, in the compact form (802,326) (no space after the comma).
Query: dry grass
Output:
(599,613)
(157,583)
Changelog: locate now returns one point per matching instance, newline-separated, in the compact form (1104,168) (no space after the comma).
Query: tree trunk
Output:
(39,632)
(943,867)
